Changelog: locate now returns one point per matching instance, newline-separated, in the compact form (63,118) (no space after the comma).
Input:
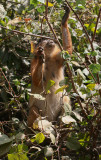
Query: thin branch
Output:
(51,12)
(75,90)
(13,93)
(18,56)
(46,8)
(96,25)
(34,35)
(12,2)
(10,87)
(53,33)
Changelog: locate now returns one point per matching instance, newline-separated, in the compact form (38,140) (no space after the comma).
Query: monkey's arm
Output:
(36,67)
(66,36)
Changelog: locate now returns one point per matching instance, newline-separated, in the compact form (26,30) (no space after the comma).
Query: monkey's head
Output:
(48,46)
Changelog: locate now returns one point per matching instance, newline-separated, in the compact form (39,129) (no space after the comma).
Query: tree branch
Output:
(53,33)
(96,25)
(34,35)
(75,90)
(46,8)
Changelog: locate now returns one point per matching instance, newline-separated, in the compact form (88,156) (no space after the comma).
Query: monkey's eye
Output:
(40,48)
(50,43)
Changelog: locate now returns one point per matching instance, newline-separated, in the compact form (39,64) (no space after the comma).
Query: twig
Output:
(74,88)
(53,33)
(46,8)
(19,32)
(46,17)
(96,25)
(18,56)
(52,9)
(12,92)
(12,2)
(87,68)
(10,88)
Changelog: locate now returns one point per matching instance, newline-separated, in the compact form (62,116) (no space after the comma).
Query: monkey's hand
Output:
(66,15)
(40,54)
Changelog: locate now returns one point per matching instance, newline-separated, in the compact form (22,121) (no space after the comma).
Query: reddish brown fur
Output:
(52,69)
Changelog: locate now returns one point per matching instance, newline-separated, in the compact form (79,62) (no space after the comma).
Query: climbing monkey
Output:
(47,65)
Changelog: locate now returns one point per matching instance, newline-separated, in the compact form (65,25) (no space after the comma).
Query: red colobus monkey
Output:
(51,69)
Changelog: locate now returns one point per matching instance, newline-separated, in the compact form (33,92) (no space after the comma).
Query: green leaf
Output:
(17,156)
(80,74)
(80,2)
(63,82)
(33,2)
(77,115)
(86,25)
(67,108)
(39,138)
(79,32)
(2,22)
(73,143)
(37,96)
(52,137)
(65,54)
(91,86)
(100,157)
(49,4)
(61,89)
(80,6)
(59,1)
(49,85)
(4,139)
(5,144)
(20,136)
(95,67)
(5,148)
(92,53)
(86,72)
(19,149)
(69,88)
(41,9)
(2,11)
(67,119)
(80,77)
(75,63)
(16,82)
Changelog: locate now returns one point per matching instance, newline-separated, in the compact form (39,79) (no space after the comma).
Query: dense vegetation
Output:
(78,135)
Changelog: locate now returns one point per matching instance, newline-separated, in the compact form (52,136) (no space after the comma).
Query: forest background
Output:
(78,136)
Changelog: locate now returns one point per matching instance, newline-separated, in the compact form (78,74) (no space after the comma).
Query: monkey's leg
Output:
(33,115)
(66,36)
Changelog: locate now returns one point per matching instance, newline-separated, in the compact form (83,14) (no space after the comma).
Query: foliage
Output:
(22,22)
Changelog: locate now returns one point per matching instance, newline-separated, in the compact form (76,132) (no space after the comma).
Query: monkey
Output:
(47,65)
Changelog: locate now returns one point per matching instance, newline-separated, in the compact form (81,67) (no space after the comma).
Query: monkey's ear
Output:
(32,47)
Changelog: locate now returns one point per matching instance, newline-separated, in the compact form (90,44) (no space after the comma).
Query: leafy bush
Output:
(78,135)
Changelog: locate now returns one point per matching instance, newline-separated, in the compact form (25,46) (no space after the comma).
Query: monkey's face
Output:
(48,46)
